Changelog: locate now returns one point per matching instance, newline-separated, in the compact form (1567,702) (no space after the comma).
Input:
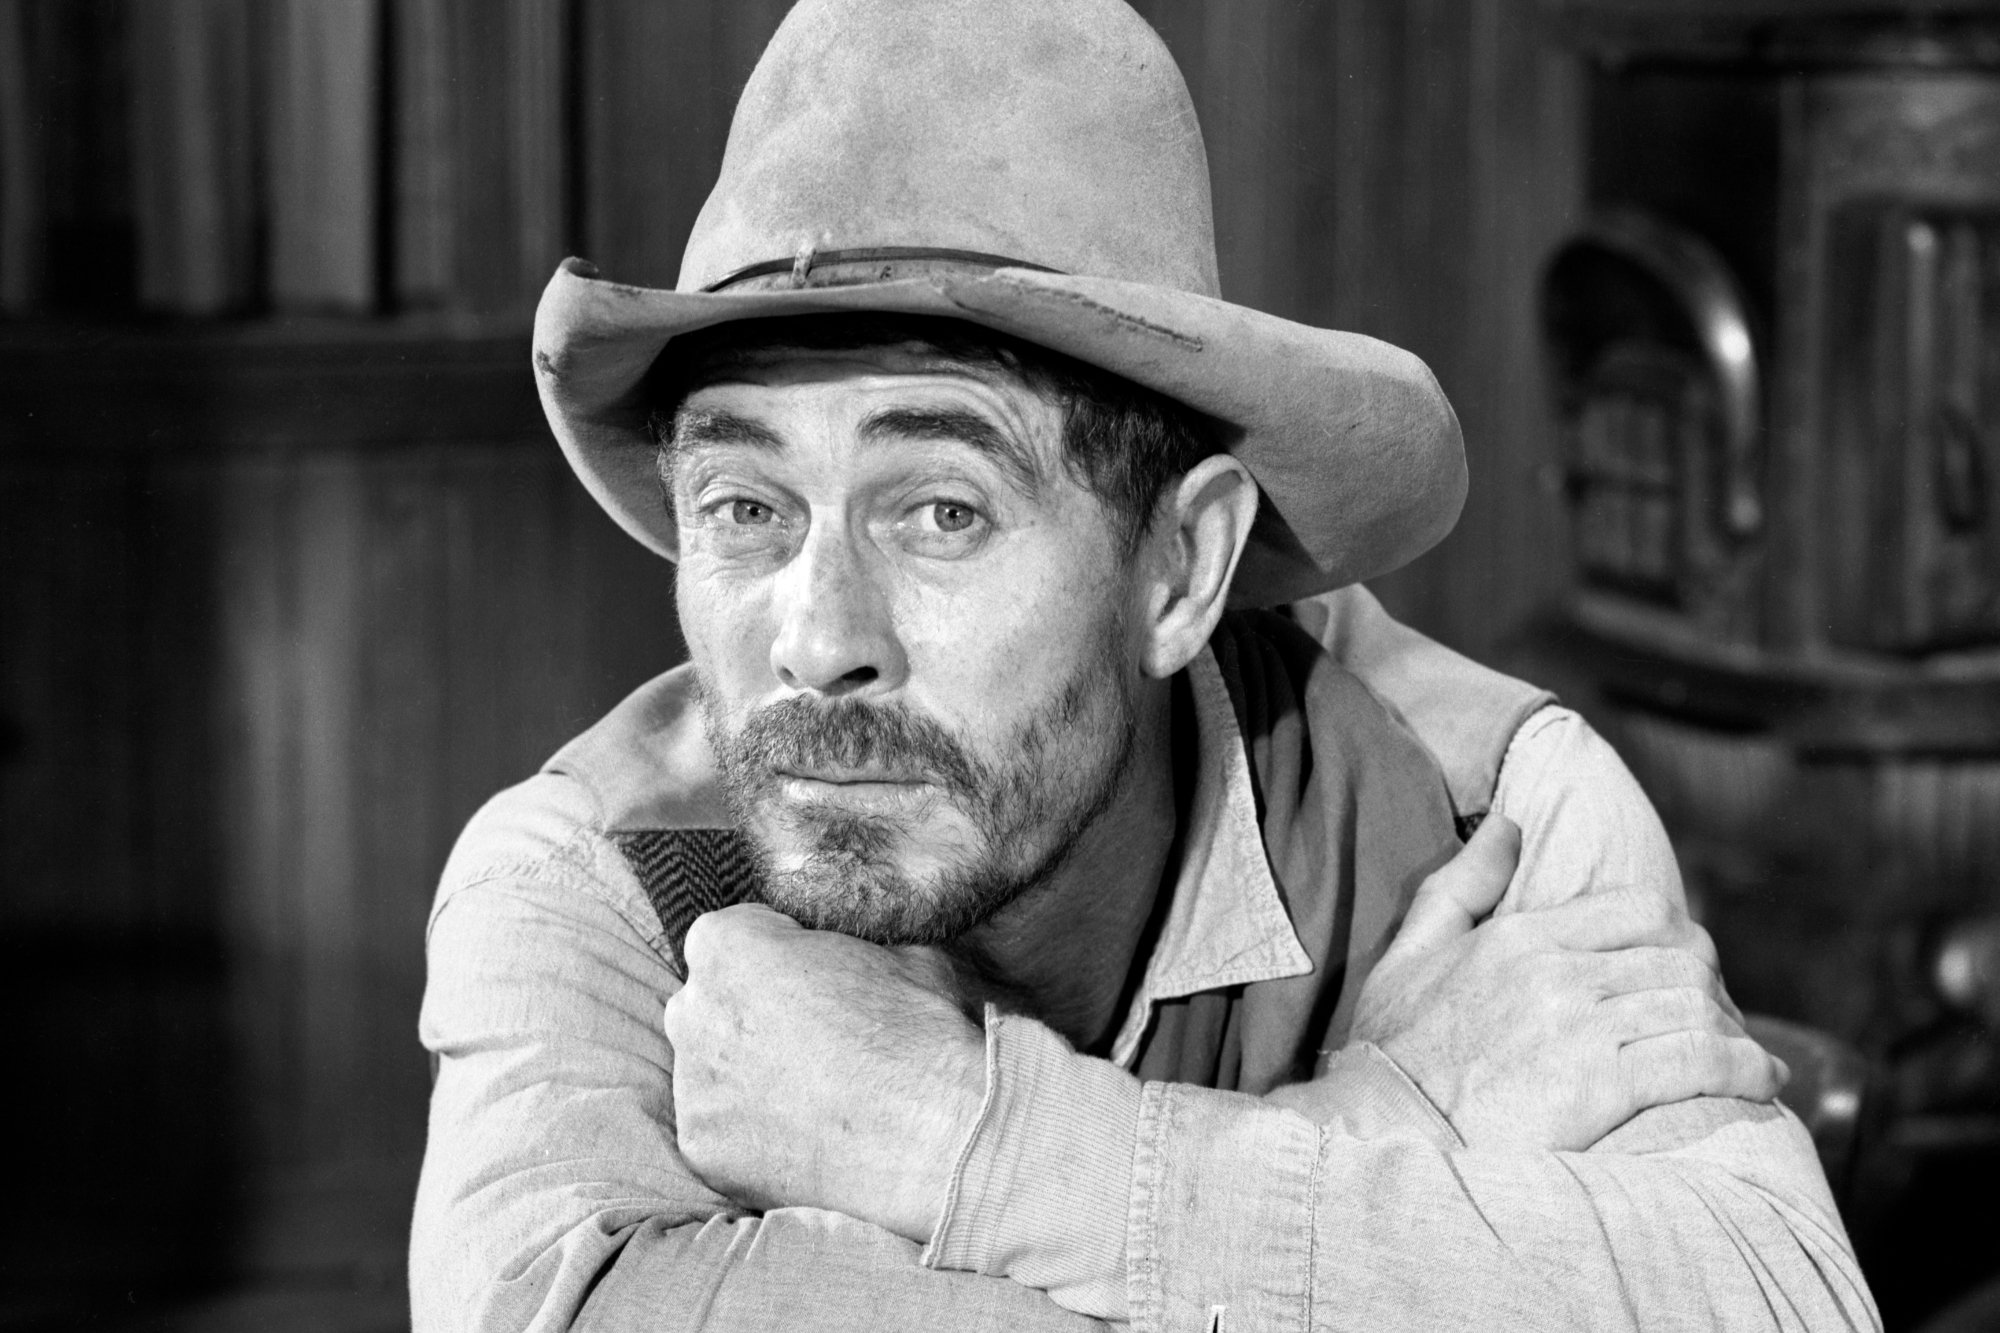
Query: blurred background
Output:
(292,576)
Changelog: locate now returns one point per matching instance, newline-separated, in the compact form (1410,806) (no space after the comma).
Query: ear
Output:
(1198,534)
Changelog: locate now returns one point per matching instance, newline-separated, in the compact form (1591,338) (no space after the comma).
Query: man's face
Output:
(910,627)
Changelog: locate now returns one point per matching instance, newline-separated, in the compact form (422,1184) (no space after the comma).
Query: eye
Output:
(950,516)
(749,513)
(943,529)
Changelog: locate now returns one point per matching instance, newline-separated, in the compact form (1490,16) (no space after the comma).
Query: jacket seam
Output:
(567,865)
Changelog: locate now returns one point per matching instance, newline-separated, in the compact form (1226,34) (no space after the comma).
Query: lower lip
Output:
(864,797)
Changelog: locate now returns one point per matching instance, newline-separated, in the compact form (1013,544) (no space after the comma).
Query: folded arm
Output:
(1355,1199)
(553,1195)
(1352,1201)
(1710,1214)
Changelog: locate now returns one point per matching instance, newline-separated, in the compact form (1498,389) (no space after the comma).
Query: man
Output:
(992,929)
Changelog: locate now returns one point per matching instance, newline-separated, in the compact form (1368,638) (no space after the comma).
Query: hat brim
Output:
(1354,446)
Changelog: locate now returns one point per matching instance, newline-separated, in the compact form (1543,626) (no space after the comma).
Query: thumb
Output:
(1463,891)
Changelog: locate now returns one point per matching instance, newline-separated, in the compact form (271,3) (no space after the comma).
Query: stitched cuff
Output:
(1225,1193)
(1042,1188)
(1369,1096)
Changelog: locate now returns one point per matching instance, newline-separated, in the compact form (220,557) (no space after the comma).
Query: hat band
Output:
(849,268)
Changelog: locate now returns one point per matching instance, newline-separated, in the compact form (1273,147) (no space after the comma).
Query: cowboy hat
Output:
(1032,166)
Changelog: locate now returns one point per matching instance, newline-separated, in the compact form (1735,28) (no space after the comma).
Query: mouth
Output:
(857,790)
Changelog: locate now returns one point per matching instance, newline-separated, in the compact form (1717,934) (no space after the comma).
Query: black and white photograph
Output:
(1000,666)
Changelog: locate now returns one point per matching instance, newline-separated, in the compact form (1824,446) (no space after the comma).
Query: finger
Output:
(674,1014)
(708,938)
(1655,1013)
(1624,919)
(1465,889)
(1680,1065)
(702,943)
(1648,967)
(1652,966)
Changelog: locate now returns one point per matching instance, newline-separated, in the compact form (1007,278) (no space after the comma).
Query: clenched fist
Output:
(1550,1028)
(814,1069)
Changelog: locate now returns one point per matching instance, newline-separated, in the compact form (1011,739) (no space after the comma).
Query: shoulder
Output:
(1505,746)
(624,828)
(1585,822)
(1462,713)
(558,836)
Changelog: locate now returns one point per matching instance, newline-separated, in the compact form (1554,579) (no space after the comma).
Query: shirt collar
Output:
(1226,923)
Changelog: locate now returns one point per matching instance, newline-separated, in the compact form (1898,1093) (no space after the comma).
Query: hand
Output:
(811,1068)
(1550,1028)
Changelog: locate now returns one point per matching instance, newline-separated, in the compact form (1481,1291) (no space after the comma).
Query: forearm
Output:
(554,1195)
(622,1272)
(1235,1202)
(603,1227)
(803,1269)
(1394,1234)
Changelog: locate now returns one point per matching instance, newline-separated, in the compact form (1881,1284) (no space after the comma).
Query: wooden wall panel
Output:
(508,92)
(1403,168)
(192,127)
(70,655)
(249,694)
(405,635)
(21,205)
(659,83)
(1458,173)
(323,125)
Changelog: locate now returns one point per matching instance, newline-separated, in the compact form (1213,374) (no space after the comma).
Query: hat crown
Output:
(1056,132)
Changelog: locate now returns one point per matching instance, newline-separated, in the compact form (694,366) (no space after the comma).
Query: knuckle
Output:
(1686,1051)
(1689,971)
(1693,1009)
(697,944)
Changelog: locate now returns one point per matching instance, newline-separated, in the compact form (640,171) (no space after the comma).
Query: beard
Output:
(1023,809)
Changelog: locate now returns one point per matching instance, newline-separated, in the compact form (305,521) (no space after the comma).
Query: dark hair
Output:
(1121,441)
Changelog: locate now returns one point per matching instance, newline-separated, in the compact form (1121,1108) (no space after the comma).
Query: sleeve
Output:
(1345,1206)
(552,1195)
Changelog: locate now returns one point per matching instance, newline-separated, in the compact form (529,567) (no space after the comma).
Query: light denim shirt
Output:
(553,1196)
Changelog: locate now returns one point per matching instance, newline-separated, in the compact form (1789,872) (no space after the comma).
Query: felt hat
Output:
(1033,166)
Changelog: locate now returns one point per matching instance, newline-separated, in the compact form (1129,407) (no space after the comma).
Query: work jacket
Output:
(1231,1162)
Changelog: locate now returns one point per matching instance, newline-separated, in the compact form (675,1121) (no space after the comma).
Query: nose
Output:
(836,634)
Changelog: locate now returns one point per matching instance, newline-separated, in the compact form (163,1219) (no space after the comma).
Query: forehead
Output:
(773,384)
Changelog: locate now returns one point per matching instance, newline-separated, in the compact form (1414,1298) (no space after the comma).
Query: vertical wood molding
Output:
(540,41)
(323,149)
(260,810)
(424,233)
(21,194)
(661,82)
(651,144)
(508,93)
(191,132)
(1458,170)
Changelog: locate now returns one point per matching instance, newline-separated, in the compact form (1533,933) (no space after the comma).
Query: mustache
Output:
(846,733)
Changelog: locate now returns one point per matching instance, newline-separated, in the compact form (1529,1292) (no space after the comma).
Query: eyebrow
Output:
(702,428)
(696,427)
(699,428)
(967,428)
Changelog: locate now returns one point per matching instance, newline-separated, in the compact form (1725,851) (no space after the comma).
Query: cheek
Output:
(725,628)
(988,657)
